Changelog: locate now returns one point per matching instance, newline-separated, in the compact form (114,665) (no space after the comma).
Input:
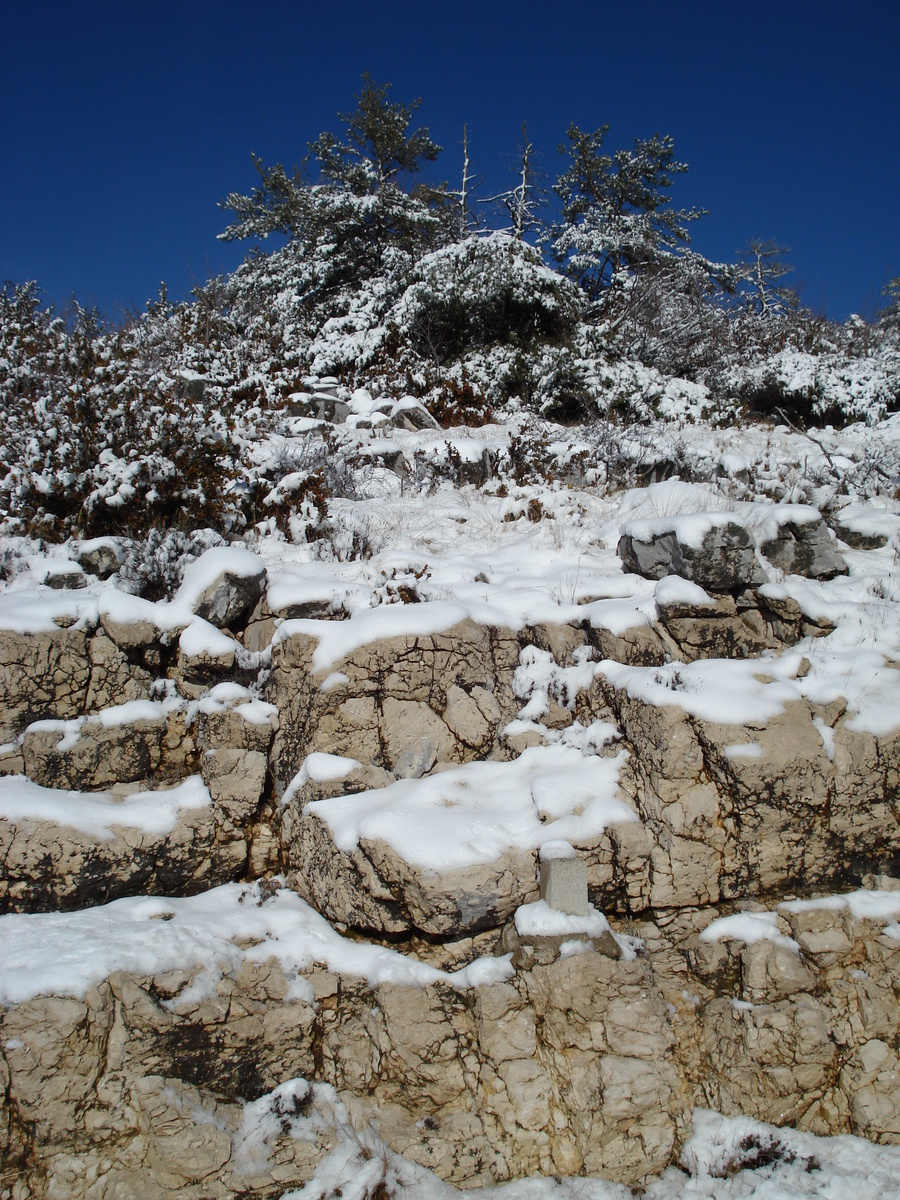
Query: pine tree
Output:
(616,218)
(889,317)
(761,267)
(367,201)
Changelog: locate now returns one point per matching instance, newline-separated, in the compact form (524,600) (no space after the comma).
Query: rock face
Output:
(42,674)
(56,862)
(590,1052)
(51,865)
(587,1064)
(451,689)
(710,549)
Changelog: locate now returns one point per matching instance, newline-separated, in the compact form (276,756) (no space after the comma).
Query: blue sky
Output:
(125,124)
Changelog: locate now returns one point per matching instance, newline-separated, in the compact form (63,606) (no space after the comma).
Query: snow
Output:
(474,813)
(830,1168)
(27,610)
(338,639)
(869,522)
(675,590)
(690,529)
(826,733)
(203,639)
(725,1158)
(730,692)
(131,713)
(743,750)
(99,814)
(540,920)
(557,849)
(225,697)
(126,609)
(65,954)
(748,927)
(875,904)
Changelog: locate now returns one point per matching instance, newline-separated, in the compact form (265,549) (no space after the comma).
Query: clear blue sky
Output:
(124,124)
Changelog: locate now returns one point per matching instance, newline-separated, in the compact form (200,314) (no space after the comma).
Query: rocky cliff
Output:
(263,864)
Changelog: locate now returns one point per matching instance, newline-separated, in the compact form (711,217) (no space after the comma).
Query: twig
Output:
(841,478)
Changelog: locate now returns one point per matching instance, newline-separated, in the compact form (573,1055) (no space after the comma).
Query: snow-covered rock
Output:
(795,539)
(711,549)
(222,586)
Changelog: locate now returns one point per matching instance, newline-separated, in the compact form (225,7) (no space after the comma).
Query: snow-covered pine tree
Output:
(615,215)
(889,317)
(761,267)
(366,204)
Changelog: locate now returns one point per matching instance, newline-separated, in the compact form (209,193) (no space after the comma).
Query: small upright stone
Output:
(564,879)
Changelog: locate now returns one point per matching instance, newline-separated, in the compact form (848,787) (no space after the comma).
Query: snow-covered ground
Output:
(429,554)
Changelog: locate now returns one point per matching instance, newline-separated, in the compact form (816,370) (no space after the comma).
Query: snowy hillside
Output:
(346,605)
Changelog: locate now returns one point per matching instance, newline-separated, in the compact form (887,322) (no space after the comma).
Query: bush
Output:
(155,568)
(482,292)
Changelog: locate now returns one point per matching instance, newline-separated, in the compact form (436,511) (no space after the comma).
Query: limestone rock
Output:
(372,887)
(805,547)
(95,754)
(230,597)
(47,865)
(388,694)
(42,675)
(66,575)
(100,556)
(236,779)
(586,1064)
(771,971)
(416,760)
(722,560)
(115,679)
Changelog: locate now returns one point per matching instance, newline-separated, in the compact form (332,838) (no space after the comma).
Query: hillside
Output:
(450,714)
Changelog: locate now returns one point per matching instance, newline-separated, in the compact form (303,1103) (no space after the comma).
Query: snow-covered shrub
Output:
(110,432)
(822,387)
(482,291)
(154,568)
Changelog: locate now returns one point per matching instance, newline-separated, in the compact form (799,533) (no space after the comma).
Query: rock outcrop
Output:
(713,550)
(586,1064)
(152,753)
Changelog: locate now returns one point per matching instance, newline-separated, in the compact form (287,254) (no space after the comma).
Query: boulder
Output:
(99,556)
(372,887)
(711,549)
(223,585)
(205,652)
(64,575)
(864,528)
(802,545)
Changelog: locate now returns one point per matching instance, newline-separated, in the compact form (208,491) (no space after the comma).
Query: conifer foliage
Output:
(366,200)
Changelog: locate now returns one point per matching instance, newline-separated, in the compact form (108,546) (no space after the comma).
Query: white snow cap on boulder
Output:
(222,585)
(712,549)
